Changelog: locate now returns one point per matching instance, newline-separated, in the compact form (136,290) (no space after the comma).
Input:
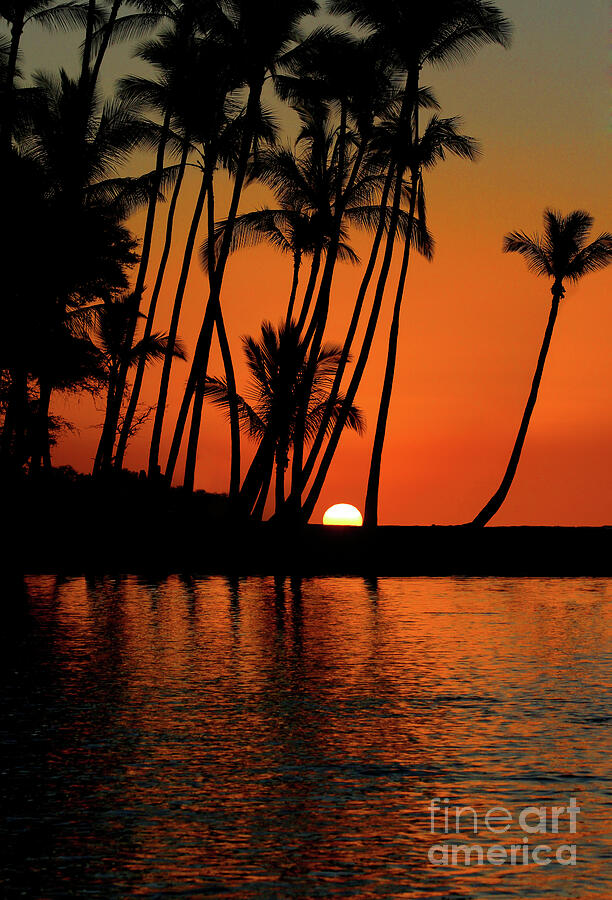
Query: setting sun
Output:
(343,514)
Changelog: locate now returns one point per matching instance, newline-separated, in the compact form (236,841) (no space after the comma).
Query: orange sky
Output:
(473,320)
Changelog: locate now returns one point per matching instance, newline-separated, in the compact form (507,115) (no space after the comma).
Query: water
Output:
(262,739)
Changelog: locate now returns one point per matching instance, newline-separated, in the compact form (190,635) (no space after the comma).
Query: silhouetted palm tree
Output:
(436,33)
(258,36)
(81,145)
(189,71)
(377,218)
(423,152)
(562,254)
(217,126)
(170,54)
(276,363)
(65,175)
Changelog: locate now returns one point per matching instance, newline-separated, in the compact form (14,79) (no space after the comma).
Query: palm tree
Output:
(376,218)
(276,362)
(66,180)
(323,70)
(186,68)
(217,125)
(166,53)
(561,254)
(258,35)
(436,33)
(440,137)
(172,53)
(80,144)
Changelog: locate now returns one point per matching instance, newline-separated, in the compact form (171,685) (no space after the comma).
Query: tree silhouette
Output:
(436,33)
(257,36)
(562,254)
(66,189)
(440,138)
(19,14)
(276,362)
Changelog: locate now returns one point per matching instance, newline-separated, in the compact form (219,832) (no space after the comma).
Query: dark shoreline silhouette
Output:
(72,524)
(528,551)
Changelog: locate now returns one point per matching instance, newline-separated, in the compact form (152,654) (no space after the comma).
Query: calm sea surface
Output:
(268,739)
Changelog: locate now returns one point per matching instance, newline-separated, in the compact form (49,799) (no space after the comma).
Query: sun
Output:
(343,514)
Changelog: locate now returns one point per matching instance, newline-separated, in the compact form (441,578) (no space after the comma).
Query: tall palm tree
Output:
(71,148)
(172,53)
(324,69)
(378,219)
(437,33)
(217,126)
(562,254)
(276,362)
(258,36)
(440,138)
(185,67)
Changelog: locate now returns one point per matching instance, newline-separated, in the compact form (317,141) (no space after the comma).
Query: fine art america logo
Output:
(533,821)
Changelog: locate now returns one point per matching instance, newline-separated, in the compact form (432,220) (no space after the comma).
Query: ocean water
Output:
(262,738)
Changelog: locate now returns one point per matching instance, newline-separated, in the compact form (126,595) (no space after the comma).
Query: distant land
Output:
(129,527)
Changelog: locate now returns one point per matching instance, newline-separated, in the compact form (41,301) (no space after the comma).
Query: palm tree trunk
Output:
(108,30)
(371,504)
(297,263)
(160,412)
(232,397)
(407,105)
(9,79)
(316,329)
(87,43)
(310,289)
(350,335)
(192,445)
(107,438)
(199,363)
(226,354)
(140,370)
(494,504)
(40,450)
(279,487)
(202,350)
(140,279)
(260,506)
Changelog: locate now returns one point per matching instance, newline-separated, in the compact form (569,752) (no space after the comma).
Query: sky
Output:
(473,319)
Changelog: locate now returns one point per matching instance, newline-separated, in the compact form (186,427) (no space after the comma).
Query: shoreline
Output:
(71,524)
(317,550)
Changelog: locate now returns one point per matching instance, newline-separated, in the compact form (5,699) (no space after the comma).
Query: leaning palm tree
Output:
(171,56)
(277,364)
(185,79)
(562,254)
(440,137)
(257,36)
(437,33)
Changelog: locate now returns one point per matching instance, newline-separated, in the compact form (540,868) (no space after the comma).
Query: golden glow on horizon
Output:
(343,514)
